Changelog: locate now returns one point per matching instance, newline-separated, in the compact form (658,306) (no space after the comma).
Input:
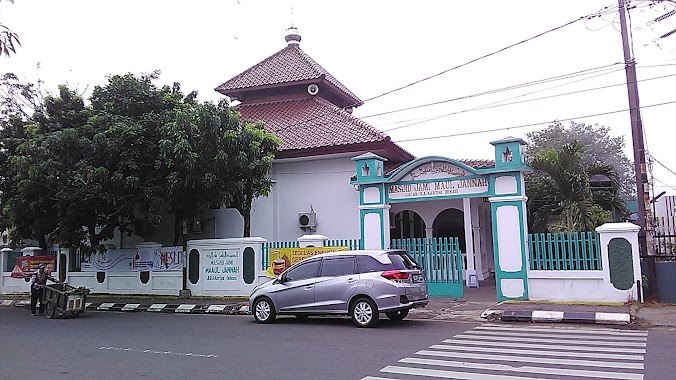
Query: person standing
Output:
(38,281)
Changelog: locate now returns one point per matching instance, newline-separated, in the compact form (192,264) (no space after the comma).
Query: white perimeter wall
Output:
(582,286)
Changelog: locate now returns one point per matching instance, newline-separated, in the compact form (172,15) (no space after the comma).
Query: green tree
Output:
(8,39)
(74,173)
(212,158)
(601,148)
(256,150)
(40,160)
(560,196)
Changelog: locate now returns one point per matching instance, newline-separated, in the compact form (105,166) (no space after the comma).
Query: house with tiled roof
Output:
(310,112)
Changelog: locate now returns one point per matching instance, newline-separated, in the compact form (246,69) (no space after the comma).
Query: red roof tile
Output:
(313,122)
(288,65)
(478,164)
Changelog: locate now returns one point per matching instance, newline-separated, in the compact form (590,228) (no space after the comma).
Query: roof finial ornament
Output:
(293,36)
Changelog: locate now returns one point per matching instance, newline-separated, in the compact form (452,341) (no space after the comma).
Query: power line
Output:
(515,97)
(663,183)
(482,57)
(662,165)
(527,125)
(497,103)
(508,88)
(595,14)
(493,105)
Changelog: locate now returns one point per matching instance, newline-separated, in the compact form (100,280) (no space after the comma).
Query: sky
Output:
(373,47)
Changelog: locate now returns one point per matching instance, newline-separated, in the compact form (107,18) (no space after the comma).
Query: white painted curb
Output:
(547,316)
(613,318)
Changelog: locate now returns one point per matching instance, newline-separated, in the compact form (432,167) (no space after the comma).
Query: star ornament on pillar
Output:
(507,155)
(365,170)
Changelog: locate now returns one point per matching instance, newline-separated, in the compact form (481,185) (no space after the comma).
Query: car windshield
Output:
(401,260)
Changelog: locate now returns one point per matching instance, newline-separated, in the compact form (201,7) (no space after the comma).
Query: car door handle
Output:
(308,287)
(351,280)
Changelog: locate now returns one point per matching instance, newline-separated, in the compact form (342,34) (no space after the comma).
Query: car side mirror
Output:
(281,278)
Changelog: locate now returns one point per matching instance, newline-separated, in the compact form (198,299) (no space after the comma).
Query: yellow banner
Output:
(282,258)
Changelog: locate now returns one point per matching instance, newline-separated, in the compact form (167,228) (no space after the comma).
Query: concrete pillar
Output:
(311,241)
(619,247)
(469,240)
(4,256)
(31,251)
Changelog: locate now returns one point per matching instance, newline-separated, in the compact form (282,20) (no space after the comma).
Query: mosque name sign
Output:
(438,188)
(436,169)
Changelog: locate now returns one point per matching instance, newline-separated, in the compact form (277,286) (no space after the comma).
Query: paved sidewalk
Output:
(478,305)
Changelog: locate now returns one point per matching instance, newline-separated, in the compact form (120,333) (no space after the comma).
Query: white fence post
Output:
(620,257)
(311,241)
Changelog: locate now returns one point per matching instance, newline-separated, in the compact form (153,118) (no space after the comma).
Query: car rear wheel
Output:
(264,311)
(397,315)
(364,313)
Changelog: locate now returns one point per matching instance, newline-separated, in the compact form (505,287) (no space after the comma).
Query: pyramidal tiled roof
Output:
(288,65)
(312,122)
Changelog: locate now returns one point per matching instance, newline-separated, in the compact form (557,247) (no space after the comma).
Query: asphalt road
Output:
(107,345)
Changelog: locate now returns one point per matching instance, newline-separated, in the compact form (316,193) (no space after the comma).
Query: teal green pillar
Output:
(374,212)
(510,227)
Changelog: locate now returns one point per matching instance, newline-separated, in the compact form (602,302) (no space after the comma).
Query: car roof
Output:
(365,252)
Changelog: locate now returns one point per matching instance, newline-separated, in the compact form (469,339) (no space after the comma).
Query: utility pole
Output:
(639,150)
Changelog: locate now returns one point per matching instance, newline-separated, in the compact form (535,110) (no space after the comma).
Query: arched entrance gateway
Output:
(458,221)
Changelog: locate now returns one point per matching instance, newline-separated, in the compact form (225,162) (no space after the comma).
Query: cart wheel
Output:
(50,309)
(75,314)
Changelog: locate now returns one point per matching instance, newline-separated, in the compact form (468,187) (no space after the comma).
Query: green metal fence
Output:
(440,257)
(442,262)
(565,251)
(352,243)
(10,260)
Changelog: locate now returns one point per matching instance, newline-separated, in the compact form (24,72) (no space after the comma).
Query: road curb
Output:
(540,316)
(183,308)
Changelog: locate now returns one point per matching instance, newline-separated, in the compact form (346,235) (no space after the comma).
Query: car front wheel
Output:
(264,311)
(364,313)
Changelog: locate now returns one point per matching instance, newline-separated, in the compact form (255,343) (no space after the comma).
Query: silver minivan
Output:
(361,284)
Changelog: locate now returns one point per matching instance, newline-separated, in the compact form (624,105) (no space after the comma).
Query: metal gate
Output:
(442,261)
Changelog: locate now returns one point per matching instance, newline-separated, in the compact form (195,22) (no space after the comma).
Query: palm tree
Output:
(560,197)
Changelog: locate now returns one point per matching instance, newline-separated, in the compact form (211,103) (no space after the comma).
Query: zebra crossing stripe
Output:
(540,353)
(531,359)
(544,346)
(562,335)
(525,369)
(468,335)
(451,374)
(563,330)
(377,378)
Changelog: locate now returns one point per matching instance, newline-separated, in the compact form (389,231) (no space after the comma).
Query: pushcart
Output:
(64,299)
